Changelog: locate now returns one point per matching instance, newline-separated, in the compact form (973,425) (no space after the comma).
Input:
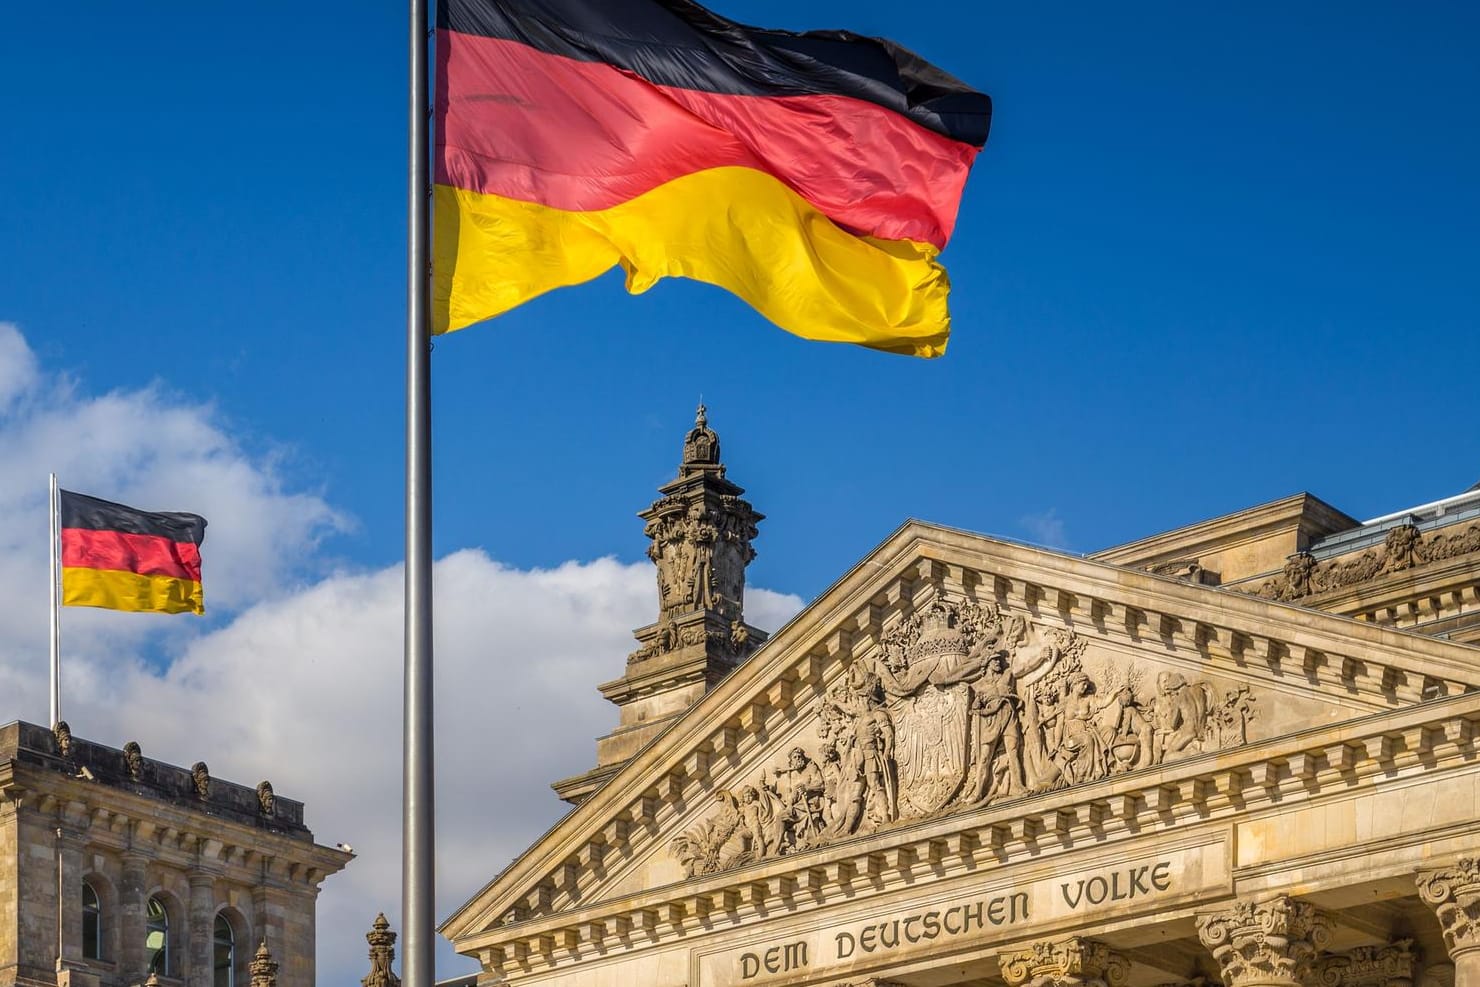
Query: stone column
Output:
(1454,895)
(1270,943)
(133,890)
(200,929)
(1071,962)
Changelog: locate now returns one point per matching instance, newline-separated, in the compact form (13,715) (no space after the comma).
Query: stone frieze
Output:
(964,706)
(1404,548)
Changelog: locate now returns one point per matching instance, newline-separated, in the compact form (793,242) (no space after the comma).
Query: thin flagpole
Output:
(54,505)
(417,870)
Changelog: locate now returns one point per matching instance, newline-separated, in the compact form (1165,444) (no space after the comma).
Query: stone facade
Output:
(152,861)
(978,763)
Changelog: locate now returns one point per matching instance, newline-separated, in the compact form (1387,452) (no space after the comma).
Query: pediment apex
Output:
(1200,642)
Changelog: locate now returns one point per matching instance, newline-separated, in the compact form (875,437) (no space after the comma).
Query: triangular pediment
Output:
(953,681)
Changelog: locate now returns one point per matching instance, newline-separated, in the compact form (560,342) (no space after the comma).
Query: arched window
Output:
(92,923)
(157,937)
(225,954)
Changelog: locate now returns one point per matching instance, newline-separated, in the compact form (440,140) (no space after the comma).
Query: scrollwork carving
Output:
(1454,895)
(1071,962)
(962,705)
(1273,942)
(1393,965)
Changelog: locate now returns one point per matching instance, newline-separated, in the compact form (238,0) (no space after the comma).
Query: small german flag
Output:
(121,558)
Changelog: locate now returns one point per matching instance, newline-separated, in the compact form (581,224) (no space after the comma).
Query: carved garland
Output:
(962,707)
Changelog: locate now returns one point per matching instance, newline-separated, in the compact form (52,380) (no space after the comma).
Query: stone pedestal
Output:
(1271,943)
(1454,895)
(1071,962)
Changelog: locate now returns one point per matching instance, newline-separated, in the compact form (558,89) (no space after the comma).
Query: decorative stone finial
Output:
(701,447)
(263,967)
(382,953)
(200,779)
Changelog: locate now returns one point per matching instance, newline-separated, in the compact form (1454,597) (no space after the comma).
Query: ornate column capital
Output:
(1454,895)
(1270,943)
(1071,962)
(1393,965)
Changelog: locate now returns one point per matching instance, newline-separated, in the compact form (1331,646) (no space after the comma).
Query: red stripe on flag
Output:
(580,136)
(147,555)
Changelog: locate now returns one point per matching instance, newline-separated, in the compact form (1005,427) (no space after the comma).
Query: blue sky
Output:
(1211,256)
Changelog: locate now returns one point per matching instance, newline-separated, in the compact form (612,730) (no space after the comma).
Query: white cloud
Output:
(305,689)
(1046,528)
(17,364)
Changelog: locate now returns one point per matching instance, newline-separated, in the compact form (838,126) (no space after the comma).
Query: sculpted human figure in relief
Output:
(960,707)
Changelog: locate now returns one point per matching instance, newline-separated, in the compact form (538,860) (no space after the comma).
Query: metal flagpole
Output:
(417,958)
(54,506)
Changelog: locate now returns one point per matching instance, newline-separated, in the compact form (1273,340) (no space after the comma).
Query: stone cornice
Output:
(1173,804)
(1229,530)
(176,836)
(1349,662)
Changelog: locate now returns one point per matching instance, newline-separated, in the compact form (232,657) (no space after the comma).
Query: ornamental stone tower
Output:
(700,532)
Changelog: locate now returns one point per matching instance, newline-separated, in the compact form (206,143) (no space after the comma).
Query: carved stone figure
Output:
(962,705)
(266,800)
(1180,716)
(1400,549)
(133,759)
(799,790)
(200,779)
(62,734)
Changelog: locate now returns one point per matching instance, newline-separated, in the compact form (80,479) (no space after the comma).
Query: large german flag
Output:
(815,175)
(126,559)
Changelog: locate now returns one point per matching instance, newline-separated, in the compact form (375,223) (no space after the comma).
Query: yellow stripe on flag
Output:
(117,590)
(737,228)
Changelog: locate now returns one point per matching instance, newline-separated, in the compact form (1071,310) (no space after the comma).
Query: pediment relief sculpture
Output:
(1404,548)
(962,705)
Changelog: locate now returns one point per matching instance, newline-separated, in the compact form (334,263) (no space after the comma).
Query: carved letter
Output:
(750,965)
(796,955)
(1138,881)
(1073,901)
(1161,875)
(884,930)
(845,940)
(972,911)
(996,910)
(868,939)
(1090,893)
(932,925)
(1019,897)
(949,912)
(773,959)
(909,936)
